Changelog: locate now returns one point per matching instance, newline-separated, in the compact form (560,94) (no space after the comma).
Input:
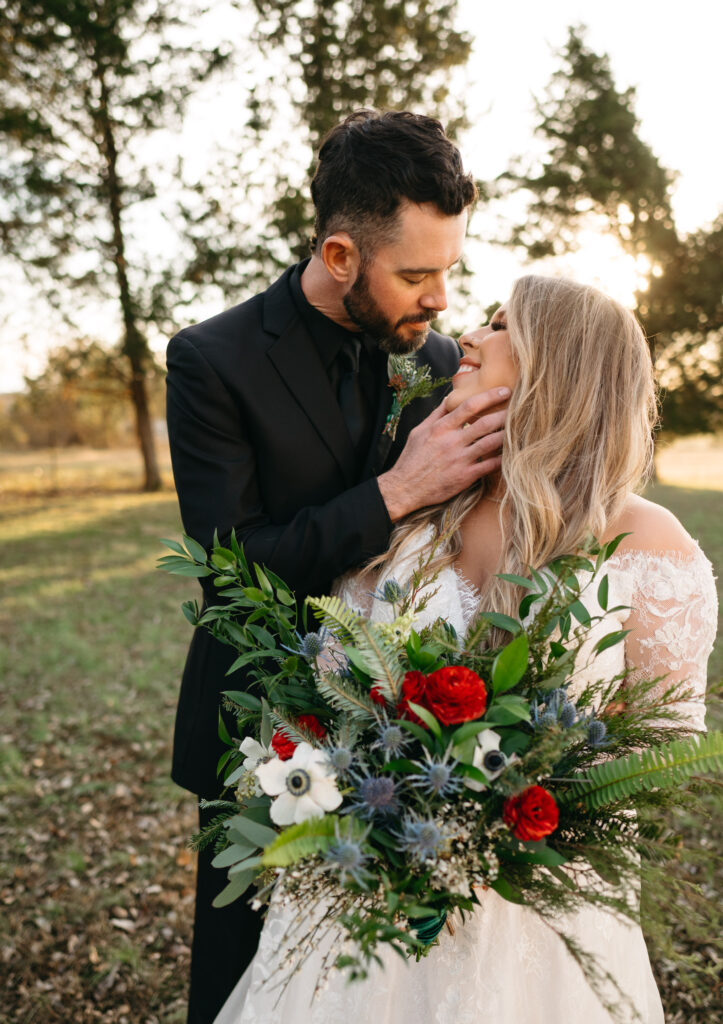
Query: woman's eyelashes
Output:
(498,325)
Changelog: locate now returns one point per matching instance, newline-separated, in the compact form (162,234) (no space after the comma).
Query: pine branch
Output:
(343,696)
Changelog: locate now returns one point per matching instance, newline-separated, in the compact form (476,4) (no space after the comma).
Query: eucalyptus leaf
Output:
(510,664)
(602,592)
(252,830)
(610,640)
(235,888)
(232,855)
(246,700)
(195,549)
(428,718)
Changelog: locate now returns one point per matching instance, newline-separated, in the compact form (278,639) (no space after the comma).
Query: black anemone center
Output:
(298,782)
(494,760)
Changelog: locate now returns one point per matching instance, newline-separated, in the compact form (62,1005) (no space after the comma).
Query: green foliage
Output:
(80,85)
(669,765)
(342,695)
(296,842)
(327,60)
(597,170)
(595,163)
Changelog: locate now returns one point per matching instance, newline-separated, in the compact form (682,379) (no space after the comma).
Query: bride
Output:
(578,440)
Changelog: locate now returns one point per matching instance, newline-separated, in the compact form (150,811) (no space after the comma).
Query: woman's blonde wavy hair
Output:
(578,436)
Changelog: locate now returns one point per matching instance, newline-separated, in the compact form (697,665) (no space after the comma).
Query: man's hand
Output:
(445,454)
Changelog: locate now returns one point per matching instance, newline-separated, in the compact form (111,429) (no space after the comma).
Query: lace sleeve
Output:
(672,623)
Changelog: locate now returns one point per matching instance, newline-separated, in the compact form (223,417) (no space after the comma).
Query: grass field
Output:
(95,879)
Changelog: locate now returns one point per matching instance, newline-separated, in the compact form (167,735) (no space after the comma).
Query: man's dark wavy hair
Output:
(371,162)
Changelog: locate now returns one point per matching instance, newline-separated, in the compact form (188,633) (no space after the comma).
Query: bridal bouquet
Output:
(397,772)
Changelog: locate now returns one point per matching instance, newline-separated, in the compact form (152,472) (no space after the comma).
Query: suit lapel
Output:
(296,359)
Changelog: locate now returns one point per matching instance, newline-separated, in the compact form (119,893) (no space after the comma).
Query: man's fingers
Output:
(490,444)
(477,404)
(494,422)
(488,466)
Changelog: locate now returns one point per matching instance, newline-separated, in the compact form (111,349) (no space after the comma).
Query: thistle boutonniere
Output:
(409,381)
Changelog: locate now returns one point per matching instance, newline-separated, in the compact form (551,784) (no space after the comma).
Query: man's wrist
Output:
(394,496)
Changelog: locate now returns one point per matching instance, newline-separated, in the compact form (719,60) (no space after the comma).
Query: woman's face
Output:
(487,361)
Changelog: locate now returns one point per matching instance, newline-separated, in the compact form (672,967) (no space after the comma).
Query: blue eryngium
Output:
(422,838)
(346,854)
(374,796)
(436,777)
(596,733)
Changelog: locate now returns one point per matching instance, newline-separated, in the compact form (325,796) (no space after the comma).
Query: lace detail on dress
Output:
(673,622)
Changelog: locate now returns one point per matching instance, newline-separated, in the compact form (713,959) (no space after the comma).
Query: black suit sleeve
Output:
(216,475)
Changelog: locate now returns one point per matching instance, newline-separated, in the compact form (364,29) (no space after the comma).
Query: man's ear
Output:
(341,258)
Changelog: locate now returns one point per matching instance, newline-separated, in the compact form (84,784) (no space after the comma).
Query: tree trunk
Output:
(135,346)
(144,429)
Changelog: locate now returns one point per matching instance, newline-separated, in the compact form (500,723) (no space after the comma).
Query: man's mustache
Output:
(424,318)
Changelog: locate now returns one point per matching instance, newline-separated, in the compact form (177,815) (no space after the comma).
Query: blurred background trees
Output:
(597,171)
(99,213)
(83,84)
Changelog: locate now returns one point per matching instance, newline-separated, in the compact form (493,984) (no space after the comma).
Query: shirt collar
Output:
(328,337)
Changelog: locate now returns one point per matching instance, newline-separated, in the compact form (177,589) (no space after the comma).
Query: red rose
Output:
(455,694)
(285,747)
(532,814)
(377,696)
(413,689)
(312,724)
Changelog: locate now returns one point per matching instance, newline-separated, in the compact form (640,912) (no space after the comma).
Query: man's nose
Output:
(436,298)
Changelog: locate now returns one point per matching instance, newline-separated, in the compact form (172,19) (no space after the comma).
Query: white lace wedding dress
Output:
(503,965)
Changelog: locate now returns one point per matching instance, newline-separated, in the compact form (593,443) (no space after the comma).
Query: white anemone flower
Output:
(488,742)
(256,753)
(304,786)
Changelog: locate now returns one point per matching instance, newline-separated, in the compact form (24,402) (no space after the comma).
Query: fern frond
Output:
(335,616)
(668,765)
(344,696)
(298,841)
(381,657)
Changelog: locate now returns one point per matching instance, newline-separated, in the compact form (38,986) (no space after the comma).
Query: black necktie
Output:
(352,399)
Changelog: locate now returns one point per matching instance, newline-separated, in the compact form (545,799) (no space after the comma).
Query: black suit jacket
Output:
(258,444)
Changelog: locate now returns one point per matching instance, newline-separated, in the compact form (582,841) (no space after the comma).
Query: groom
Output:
(276,412)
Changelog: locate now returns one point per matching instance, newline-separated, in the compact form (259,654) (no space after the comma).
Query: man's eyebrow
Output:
(426,270)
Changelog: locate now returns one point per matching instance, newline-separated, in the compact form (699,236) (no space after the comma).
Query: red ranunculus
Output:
(532,814)
(285,747)
(312,724)
(413,689)
(455,694)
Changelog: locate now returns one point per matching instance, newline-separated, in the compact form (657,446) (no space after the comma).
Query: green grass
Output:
(95,880)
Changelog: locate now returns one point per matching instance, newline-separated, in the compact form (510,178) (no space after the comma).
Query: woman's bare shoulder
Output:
(651,528)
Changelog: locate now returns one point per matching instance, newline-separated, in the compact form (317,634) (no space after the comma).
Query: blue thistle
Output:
(568,715)
(596,733)
(346,855)
(391,591)
(340,759)
(422,839)
(436,777)
(375,796)
(391,739)
(310,645)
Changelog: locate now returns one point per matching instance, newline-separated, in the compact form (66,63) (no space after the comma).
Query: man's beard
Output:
(365,313)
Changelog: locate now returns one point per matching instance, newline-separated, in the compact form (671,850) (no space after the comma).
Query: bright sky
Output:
(669,51)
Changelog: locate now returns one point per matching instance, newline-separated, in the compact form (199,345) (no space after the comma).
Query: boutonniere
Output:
(409,381)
